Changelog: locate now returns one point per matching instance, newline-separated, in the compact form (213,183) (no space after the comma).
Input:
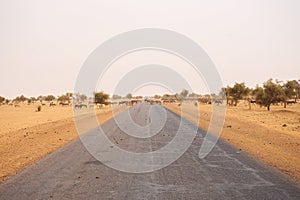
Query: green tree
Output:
(69,94)
(21,98)
(129,96)
(268,94)
(184,93)
(115,96)
(291,89)
(193,95)
(2,99)
(101,97)
(63,98)
(237,92)
(82,97)
(50,98)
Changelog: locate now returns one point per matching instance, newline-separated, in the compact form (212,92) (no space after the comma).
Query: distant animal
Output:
(52,104)
(123,102)
(79,106)
(288,102)
(252,101)
(64,104)
(218,101)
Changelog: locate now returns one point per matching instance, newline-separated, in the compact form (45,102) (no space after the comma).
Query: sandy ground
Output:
(273,137)
(26,135)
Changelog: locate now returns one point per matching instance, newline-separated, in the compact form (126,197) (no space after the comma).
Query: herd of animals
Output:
(132,102)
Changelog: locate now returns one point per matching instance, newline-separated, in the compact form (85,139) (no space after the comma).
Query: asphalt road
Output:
(226,173)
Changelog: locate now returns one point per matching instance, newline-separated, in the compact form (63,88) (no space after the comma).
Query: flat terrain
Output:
(226,173)
(273,136)
(26,135)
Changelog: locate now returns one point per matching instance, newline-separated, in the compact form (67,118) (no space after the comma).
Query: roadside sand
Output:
(26,135)
(273,137)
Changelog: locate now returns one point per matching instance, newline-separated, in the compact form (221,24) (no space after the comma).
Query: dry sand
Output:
(26,135)
(273,136)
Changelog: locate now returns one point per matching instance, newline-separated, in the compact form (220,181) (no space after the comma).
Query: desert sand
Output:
(272,136)
(26,135)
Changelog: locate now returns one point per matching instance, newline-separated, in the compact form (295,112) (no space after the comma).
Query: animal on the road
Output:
(79,106)
(218,101)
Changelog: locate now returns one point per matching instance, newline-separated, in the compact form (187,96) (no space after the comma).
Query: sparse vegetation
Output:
(50,98)
(2,99)
(236,93)
(64,98)
(101,97)
(129,96)
(115,96)
(21,98)
(270,93)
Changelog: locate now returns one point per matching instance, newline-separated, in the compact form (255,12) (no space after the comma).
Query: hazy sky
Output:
(44,43)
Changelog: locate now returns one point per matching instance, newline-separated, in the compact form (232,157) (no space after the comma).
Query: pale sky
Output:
(43,44)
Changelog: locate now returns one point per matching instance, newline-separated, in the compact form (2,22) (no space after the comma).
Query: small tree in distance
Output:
(101,97)
(83,97)
(268,94)
(21,98)
(129,96)
(115,96)
(64,98)
(184,93)
(50,98)
(157,96)
(2,99)
(237,92)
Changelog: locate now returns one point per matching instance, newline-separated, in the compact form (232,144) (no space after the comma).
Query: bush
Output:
(39,108)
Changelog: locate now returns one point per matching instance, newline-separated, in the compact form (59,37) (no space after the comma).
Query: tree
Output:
(184,93)
(237,92)
(50,98)
(63,98)
(21,98)
(157,96)
(291,89)
(179,97)
(31,100)
(41,98)
(2,99)
(82,97)
(115,96)
(69,94)
(193,95)
(101,97)
(270,93)
(129,96)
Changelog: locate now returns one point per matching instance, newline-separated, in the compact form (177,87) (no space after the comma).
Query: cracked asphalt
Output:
(226,173)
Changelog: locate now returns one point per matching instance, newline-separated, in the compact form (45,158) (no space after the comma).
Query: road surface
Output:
(226,173)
